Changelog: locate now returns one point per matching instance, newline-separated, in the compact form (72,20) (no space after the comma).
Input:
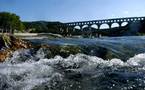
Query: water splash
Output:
(25,71)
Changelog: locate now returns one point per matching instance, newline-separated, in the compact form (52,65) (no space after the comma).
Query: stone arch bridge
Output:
(70,27)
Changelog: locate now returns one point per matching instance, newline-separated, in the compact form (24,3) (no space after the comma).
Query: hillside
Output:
(41,27)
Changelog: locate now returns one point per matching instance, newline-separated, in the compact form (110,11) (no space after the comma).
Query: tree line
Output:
(9,22)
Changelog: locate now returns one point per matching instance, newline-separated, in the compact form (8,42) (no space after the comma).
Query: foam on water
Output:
(77,72)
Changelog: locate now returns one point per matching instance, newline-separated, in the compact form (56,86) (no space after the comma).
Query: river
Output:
(82,71)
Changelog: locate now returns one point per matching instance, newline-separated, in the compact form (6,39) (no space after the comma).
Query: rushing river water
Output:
(24,71)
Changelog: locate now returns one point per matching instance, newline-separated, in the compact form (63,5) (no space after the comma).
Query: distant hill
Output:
(41,27)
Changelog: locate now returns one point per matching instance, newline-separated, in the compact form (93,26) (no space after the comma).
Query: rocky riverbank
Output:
(10,43)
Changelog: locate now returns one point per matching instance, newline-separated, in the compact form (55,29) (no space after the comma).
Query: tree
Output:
(10,22)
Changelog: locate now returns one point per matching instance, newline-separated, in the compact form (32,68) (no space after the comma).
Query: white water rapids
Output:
(77,72)
(31,70)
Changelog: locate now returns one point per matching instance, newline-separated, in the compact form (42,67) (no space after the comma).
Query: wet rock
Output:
(51,51)
(66,50)
(17,43)
(4,54)
(9,43)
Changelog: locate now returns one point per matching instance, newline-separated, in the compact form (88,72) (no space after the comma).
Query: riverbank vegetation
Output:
(9,22)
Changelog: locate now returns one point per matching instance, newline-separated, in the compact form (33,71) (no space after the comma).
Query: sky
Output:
(73,10)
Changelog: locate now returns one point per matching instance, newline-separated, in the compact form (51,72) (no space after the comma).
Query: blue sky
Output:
(73,10)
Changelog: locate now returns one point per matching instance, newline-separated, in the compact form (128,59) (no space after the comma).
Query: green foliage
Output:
(37,27)
(10,22)
(42,27)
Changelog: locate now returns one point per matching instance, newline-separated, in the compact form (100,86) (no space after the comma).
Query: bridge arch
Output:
(104,26)
(85,26)
(114,25)
(77,27)
(124,24)
(94,26)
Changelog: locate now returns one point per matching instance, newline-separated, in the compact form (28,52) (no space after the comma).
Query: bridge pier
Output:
(97,34)
(60,29)
(109,24)
(120,23)
(81,27)
(67,31)
(90,31)
(99,25)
